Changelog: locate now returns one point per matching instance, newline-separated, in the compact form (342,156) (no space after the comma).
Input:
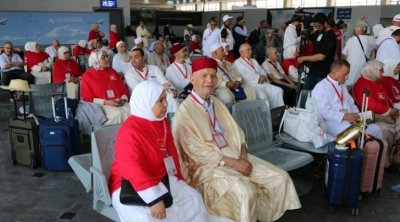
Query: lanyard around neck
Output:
(141,74)
(340,95)
(212,120)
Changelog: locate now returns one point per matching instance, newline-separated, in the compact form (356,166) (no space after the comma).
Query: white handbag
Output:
(298,123)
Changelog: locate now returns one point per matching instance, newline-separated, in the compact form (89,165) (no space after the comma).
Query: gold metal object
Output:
(351,132)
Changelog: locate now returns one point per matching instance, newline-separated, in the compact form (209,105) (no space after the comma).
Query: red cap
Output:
(175,48)
(203,63)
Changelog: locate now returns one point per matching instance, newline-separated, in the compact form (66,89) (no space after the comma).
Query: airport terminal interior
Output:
(40,195)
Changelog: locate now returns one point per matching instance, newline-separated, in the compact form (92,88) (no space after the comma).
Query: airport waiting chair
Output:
(254,118)
(294,144)
(40,100)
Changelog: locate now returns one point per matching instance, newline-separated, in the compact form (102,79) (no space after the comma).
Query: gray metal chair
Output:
(254,118)
(294,144)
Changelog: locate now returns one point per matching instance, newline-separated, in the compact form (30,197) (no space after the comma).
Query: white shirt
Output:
(144,34)
(249,69)
(355,55)
(241,31)
(332,110)
(229,38)
(290,37)
(179,75)
(270,69)
(121,64)
(4,59)
(386,33)
(52,52)
(388,49)
(209,38)
(150,72)
(162,61)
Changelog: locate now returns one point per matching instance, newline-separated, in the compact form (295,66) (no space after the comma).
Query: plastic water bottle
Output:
(395,188)
(70,116)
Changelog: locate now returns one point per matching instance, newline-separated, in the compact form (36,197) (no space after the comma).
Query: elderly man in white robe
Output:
(140,71)
(121,62)
(179,72)
(228,79)
(158,57)
(214,157)
(335,105)
(255,76)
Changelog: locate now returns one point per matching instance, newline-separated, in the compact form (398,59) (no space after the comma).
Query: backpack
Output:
(253,37)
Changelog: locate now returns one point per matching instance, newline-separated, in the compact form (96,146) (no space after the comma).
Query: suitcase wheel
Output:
(354,211)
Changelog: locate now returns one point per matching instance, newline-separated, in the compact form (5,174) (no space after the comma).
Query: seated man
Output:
(279,78)
(12,66)
(212,148)
(158,57)
(179,72)
(140,71)
(228,79)
(254,75)
(52,50)
(121,62)
(335,104)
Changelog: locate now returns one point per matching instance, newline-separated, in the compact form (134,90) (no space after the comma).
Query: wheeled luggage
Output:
(343,177)
(59,139)
(374,152)
(24,139)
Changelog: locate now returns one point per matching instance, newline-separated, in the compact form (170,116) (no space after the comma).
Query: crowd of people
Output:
(202,162)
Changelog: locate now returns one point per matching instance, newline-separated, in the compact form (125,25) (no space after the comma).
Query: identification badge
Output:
(220,140)
(110,93)
(170,165)
(67,75)
(319,37)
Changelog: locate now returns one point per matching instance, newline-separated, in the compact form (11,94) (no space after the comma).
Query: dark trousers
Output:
(6,77)
(289,94)
(311,81)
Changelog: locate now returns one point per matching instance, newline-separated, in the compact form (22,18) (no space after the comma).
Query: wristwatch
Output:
(221,163)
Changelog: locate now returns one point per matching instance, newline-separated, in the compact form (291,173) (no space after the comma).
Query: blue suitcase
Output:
(59,139)
(343,177)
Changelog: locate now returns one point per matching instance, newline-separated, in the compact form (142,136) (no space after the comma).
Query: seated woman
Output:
(390,80)
(66,69)
(80,49)
(278,77)
(146,158)
(36,59)
(103,85)
(386,116)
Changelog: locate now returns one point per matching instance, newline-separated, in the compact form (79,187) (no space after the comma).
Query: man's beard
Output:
(124,56)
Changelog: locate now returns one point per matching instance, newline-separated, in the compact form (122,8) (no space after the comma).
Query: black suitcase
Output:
(24,139)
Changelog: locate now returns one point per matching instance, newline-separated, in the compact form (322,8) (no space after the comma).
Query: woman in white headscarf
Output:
(36,59)
(386,115)
(103,85)
(147,160)
(67,70)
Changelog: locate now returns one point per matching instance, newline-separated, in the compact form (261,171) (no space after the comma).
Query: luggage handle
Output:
(53,104)
(364,107)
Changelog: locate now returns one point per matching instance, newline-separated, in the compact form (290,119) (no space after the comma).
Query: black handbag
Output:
(129,196)
(239,93)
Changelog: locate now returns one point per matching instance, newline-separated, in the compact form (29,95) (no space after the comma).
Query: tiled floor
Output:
(38,195)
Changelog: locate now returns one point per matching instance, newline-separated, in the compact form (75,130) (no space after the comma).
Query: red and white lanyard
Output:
(161,58)
(213,120)
(250,63)
(163,145)
(340,95)
(184,74)
(144,77)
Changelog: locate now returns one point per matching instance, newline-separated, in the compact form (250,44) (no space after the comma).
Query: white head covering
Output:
(143,98)
(138,40)
(94,58)
(371,70)
(119,43)
(390,65)
(216,46)
(30,46)
(61,52)
(376,29)
(113,28)
(82,43)
(290,52)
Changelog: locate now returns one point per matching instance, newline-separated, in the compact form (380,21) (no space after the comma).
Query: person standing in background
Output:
(114,37)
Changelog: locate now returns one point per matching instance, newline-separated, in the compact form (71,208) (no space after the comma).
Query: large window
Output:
(211,6)
(308,3)
(357,2)
(269,3)
(187,7)
(229,4)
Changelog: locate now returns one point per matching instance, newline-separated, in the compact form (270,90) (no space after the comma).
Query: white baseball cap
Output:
(226,17)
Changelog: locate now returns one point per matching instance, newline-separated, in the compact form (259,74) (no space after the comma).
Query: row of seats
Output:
(253,117)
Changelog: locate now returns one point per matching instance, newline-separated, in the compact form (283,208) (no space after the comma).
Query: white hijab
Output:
(61,52)
(94,58)
(30,46)
(143,98)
